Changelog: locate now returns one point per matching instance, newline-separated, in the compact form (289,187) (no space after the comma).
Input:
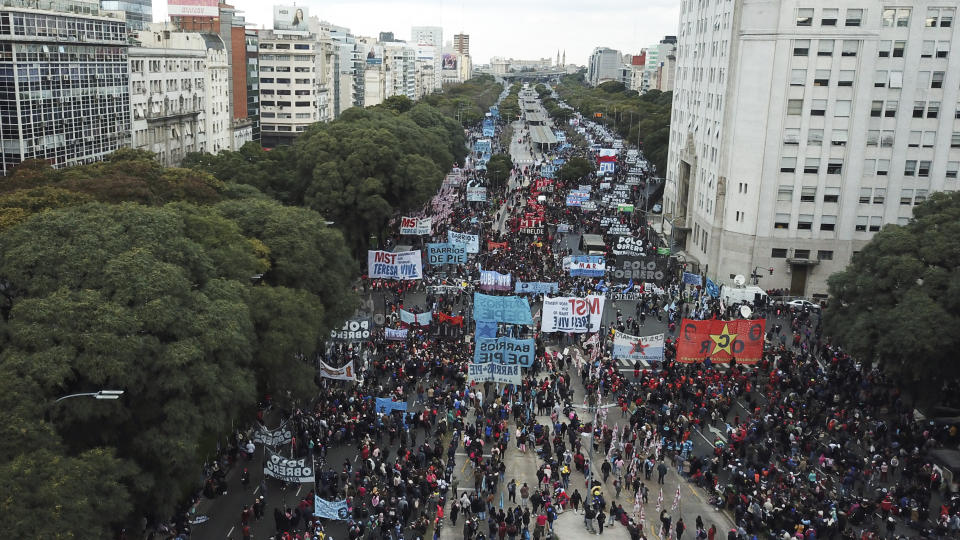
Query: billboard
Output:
(290,18)
(450,61)
(193,8)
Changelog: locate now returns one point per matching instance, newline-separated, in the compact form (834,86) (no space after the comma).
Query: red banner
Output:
(721,340)
(496,245)
(531,222)
(444,318)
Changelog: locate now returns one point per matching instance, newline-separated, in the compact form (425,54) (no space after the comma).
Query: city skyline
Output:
(564,24)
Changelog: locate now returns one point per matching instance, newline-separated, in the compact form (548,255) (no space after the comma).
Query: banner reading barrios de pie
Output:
(721,340)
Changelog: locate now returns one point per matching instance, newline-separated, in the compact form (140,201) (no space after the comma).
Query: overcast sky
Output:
(523,29)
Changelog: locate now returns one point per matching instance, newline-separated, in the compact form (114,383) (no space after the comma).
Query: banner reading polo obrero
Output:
(721,340)
(647,348)
(588,265)
(568,314)
(288,470)
(277,437)
(471,240)
(415,225)
(405,265)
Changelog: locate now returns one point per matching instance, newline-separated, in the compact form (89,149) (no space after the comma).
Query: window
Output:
(906,197)
(933,109)
(943,16)
(788,164)
(889,17)
(785,193)
(869,167)
(801,253)
(861,224)
(865,194)
(798,77)
(927,48)
(896,79)
(876,109)
(805,222)
(809,194)
(955,140)
(838,137)
(913,141)
(875,223)
(937,80)
(835,166)
(929,139)
(818,107)
(811,166)
(778,253)
(952,168)
(918,108)
(845,78)
(880,78)
(883,51)
(794,106)
(898,47)
(805,17)
(879,195)
(829,17)
(801,47)
(824,254)
(910,167)
(781,221)
(831,194)
(873,137)
(842,108)
(943,49)
(920,196)
(853,17)
(828,223)
(825,48)
(923,168)
(815,137)
(821,77)
(791,136)
(883,167)
(891,110)
(850,47)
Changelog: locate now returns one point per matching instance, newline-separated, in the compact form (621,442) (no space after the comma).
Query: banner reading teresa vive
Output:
(405,265)
(446,253)
(504,350)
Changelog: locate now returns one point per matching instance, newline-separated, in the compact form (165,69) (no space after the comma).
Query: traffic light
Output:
(771,270)
(598,115)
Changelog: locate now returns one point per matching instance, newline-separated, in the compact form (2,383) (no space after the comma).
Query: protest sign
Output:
(330,509)
(587,265)
(446,253)
(491,372)
(692,279)
(568,314)
(628,245)
(419,319)
(476,194)
(387,405)
(472,241)
(648,348)
(535,287)
(415,225)
(506,309)
(504,350)
(353,331)
(651,268)
(405,265)
(494,281)
(343,373)
(289,470)
(392,334)
(721,340)
(274,438)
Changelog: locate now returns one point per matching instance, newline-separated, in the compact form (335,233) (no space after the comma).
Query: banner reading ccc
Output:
(721,340)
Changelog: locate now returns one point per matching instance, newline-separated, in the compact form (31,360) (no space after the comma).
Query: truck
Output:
(750,294)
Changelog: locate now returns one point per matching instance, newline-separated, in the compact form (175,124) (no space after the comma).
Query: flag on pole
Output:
(660,501)
(676,499)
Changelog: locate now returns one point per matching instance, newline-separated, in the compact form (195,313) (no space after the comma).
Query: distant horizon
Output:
(560,25)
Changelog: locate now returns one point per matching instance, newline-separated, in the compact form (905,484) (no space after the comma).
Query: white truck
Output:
(734,295)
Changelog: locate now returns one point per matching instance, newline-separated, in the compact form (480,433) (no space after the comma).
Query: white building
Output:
(290,93)
(605,64)
(179,93)
(800,128)
(429,43)
(400,60)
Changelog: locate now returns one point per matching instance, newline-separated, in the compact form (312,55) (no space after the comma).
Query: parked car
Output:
(803,304)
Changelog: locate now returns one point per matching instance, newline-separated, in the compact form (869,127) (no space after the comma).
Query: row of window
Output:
(284,80)
(898,17)
(829,16)
(781,253)
(285,46)
(873,167)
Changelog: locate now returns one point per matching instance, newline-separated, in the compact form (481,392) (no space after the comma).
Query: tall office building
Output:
(64,83)
(604,65)
(289,85)
(800,128)
(461,44)
(429,43)
(139,13)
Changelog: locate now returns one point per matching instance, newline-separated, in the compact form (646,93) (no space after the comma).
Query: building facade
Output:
(289,85)
(605,64)
(800,128)
(139,13)
(64,84)
(461,43)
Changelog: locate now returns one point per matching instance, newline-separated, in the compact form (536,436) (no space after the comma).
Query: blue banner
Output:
(486,329)
(494,281)
(446,253)
(691,279)
(588,265)
(535,287)
(386,405)
(330,509)
(504,350)
(712,288)
(395,334)
(472,241)
(507,309)
(421,319)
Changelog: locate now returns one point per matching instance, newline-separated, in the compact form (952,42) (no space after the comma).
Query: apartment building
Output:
(289,84)
(64,83)
(605,64)
(800,128)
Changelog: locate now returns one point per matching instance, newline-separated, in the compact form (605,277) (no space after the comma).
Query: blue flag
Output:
(629,286)
(691,279)
(712,288)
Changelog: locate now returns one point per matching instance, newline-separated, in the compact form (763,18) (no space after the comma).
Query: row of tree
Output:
(644,118)
(195,290)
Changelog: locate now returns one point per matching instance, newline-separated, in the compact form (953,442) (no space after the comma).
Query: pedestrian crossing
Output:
(627,365)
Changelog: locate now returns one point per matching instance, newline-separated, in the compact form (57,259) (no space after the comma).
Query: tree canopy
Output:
(575,169)
(498,169)
(899,299)
(634,117)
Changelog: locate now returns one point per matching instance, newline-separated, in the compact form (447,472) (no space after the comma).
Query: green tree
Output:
(899,298)
(575,169)
(498,169)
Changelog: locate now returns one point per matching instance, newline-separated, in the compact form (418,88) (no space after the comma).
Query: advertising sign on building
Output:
(290,18)
(193,8)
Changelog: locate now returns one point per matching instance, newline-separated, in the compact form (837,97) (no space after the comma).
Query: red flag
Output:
(444,318)
(721,340)
(496,245)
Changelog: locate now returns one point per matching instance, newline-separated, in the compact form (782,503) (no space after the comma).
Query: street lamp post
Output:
(101,394)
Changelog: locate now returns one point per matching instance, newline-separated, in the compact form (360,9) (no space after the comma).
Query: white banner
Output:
(387,265)
(476,194)
(415,225)
(568,314)
(471,240)
(343,373)
(277,437)
(494,372)
(288,470)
